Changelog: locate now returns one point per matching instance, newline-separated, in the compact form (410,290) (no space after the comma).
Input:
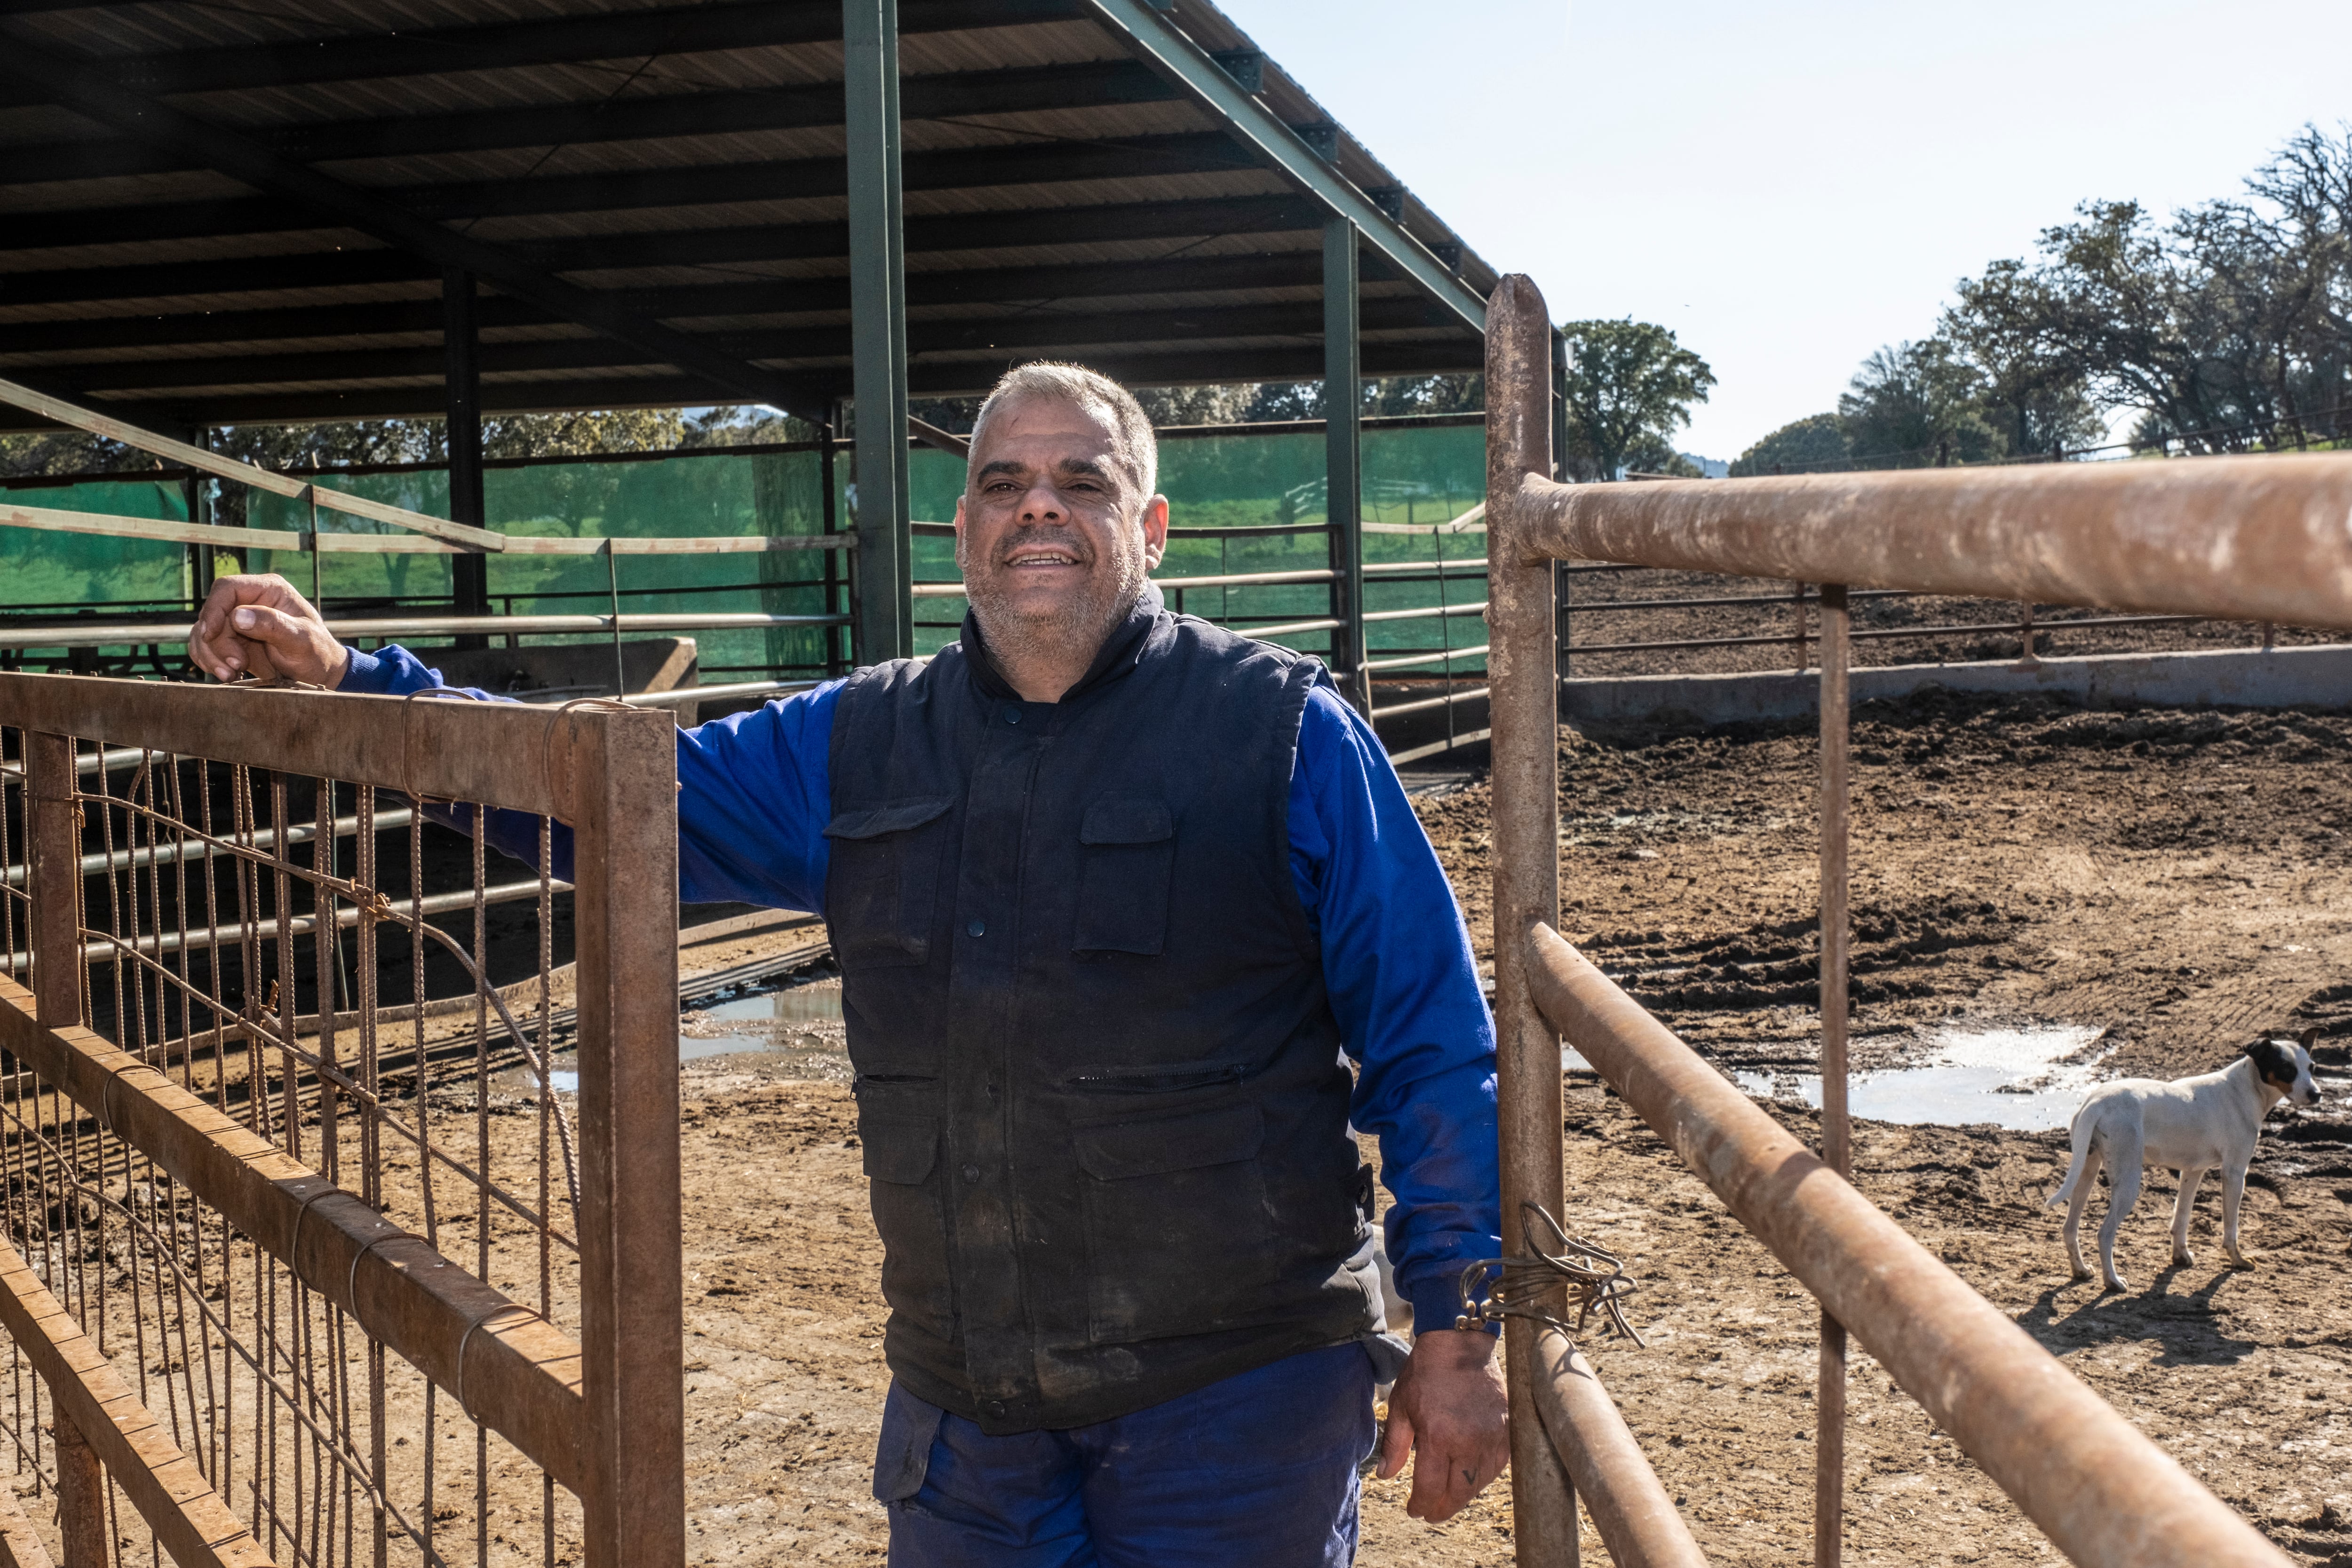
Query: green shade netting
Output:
(1412,476)
(44,569)
(773,493)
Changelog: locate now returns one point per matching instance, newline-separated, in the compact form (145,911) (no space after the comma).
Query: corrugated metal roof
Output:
(685,161)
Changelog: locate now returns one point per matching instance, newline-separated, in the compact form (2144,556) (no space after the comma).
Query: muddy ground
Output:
(2177,880)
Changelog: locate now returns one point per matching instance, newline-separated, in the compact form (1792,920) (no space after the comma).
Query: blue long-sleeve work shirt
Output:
(754,798)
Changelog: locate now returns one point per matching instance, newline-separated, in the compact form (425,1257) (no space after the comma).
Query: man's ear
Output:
(1155,530)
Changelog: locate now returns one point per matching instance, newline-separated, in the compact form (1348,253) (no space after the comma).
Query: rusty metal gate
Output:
(2261,538)
(292,1275)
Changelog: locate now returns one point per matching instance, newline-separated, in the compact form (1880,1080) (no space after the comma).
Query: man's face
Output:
(1054,536)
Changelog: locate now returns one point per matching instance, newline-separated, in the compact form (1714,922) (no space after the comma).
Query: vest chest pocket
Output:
(1178,1235)
(1127,855)
(883,884)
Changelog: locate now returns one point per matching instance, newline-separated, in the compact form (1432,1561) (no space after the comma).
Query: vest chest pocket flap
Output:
(1163,1196)
(1127,855)
(884,880)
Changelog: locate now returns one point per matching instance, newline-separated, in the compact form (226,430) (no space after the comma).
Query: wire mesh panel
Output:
(385,1271)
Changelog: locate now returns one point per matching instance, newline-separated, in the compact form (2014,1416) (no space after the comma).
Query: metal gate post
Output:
(1828,1432)
(1343,459)
(1524,702)
(877,330)
(82,1497)
(53,871)
(619,772)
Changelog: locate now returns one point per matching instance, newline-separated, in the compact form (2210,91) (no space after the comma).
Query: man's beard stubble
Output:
(1072,631)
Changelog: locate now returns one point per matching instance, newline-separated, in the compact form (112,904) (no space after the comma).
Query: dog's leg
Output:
(2080,1180)
(2234,1187)
(2190,1177)
(2124,1159)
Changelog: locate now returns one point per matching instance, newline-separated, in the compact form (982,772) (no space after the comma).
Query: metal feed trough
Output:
(262,1259)
(2262,539)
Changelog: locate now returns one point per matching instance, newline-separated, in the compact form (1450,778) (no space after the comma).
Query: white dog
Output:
(2191,1125)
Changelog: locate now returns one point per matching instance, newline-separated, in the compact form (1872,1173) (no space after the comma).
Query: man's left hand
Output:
(1448,1407)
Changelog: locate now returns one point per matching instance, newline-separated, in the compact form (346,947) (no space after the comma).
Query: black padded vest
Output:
(1099,1080)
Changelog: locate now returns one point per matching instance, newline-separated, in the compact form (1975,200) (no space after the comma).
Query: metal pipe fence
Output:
(2258,539)
(288,1280)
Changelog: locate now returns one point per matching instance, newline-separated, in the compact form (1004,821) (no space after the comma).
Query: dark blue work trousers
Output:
(1258,1471)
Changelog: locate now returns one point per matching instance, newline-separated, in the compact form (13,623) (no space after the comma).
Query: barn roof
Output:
(229,213)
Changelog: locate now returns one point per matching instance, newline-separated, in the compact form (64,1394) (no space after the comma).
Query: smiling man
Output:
(1116,895)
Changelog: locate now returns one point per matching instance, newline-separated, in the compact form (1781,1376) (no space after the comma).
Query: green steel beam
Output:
(878,308)
(1343,457)
(1159,43)
(461,381)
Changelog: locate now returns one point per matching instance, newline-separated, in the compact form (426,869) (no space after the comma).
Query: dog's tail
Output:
(2085,1130)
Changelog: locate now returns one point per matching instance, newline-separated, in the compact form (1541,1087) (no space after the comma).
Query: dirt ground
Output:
(1889,628)
(2175,878)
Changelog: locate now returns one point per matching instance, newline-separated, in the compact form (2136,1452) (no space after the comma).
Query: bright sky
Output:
(1790,186)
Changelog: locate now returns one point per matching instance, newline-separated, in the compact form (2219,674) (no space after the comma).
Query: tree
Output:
(1629,387)
(1815,444)
(1914,404)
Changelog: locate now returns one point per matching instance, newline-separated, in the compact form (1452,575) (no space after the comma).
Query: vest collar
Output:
(1126,645)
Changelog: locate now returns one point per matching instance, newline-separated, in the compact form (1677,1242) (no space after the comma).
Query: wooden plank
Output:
(706,544)
(166,531)
(213,463)
(159,529)
(20,1545)
(190,1520)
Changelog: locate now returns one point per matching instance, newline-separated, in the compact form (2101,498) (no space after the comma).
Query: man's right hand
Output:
(259,625)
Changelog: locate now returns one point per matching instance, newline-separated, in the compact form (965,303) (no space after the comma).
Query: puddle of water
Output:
(2018,1078)
(795,1029)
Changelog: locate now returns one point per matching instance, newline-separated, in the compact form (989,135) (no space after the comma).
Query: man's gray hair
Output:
(1053,381)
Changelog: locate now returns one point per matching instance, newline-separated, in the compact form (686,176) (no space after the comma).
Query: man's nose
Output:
(1042,504)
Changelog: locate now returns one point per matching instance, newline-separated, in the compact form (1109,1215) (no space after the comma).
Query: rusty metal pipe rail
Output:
(2242,539)
(1630,1508)
(2105,1494)
(265,933)
(1425,704)
(186,848)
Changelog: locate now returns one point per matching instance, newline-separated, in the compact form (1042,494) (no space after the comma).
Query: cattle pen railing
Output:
(291,1282)
(2261,539)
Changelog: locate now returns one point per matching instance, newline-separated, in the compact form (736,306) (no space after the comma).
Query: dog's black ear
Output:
(2307,1038)
(2273,1062)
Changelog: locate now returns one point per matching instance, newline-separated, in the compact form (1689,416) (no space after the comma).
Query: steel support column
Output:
(469,576)
(1343,457)
(878,308)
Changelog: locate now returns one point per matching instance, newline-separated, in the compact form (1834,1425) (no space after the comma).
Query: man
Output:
(1111,890)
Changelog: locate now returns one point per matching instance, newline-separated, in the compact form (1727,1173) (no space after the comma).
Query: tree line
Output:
(2227,328)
